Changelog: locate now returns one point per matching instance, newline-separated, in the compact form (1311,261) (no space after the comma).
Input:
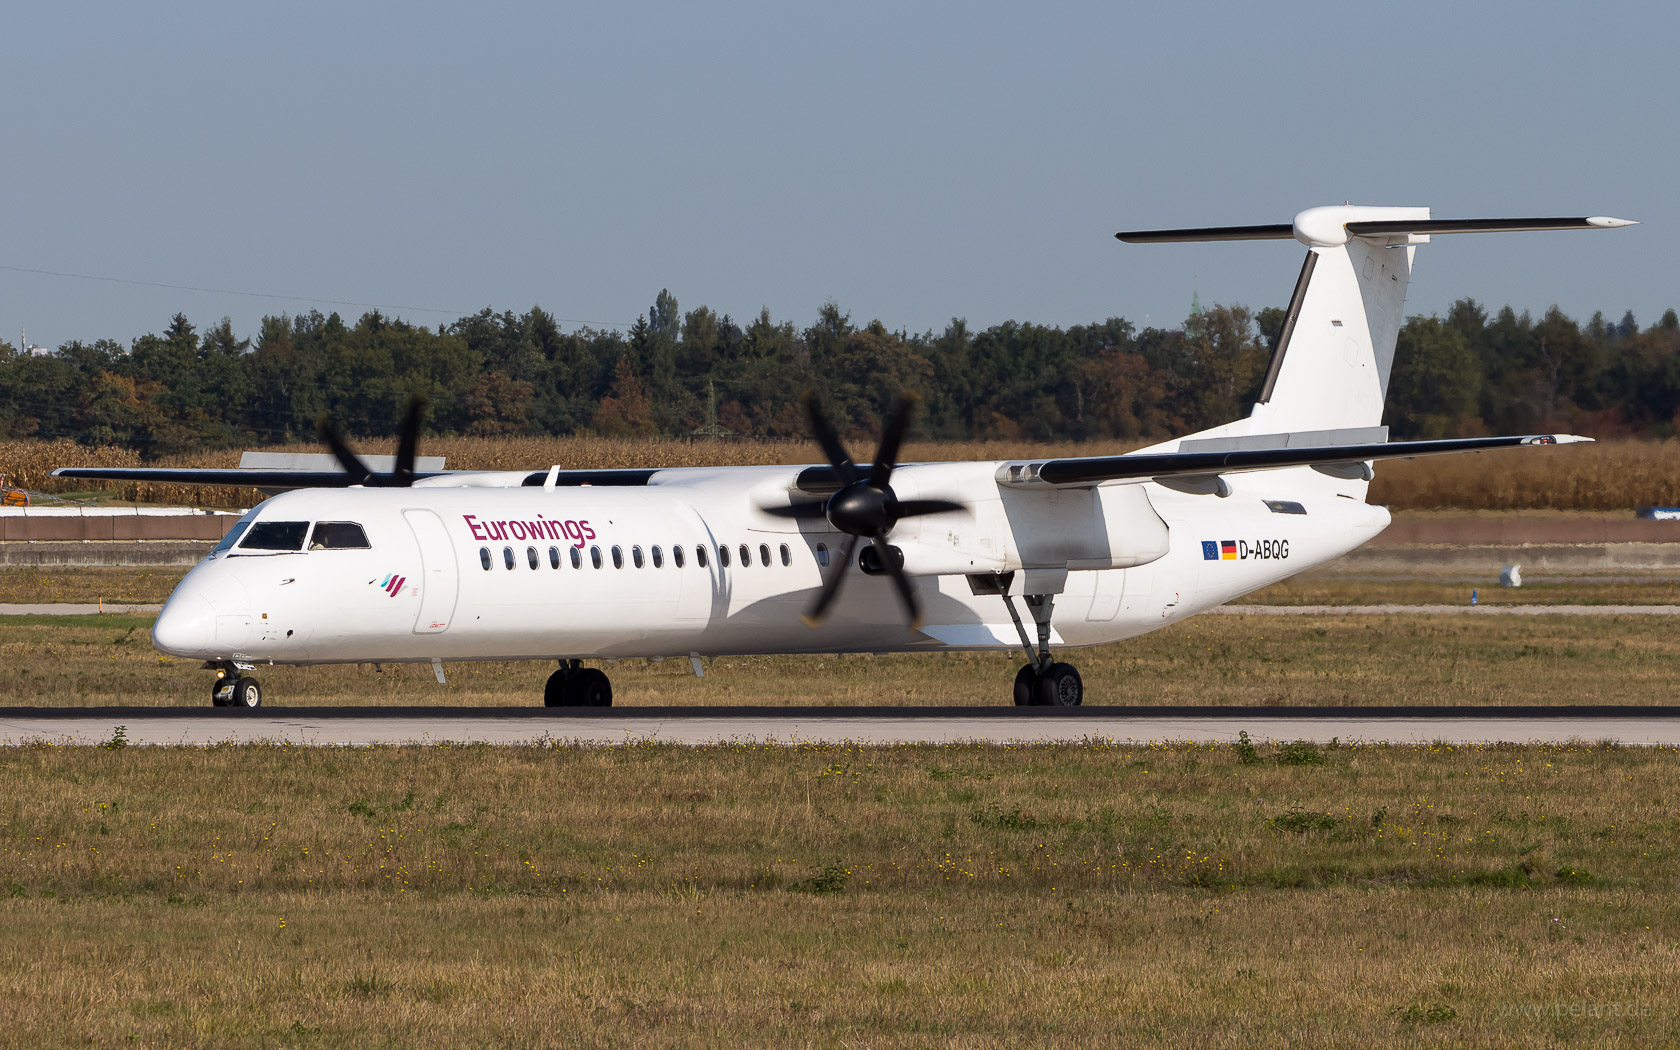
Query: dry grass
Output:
(1611,475)
(1332,659)
(833,896)
(122,585)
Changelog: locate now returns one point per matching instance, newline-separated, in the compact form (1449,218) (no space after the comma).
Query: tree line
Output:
(698,372)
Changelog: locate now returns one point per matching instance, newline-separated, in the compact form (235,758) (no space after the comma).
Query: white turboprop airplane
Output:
(365,566)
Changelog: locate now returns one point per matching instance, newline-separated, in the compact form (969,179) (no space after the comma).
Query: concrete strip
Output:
(73,609)
(898,729)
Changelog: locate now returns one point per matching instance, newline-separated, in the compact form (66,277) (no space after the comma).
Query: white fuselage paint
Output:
(1123,559)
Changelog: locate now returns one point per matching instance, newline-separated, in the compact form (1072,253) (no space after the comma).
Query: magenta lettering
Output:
(478,532)
(517,528)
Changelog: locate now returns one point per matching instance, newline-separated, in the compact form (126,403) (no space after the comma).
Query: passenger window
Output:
(636,556)
(595,556)
(723,557)
(658,557)
(507,556)
(746,556)
(577,557)
(337,536)
(275,536)
(618,556)
(531,557)
(484,557)
(554,557)
(677,556)
(787,555)
(764,554)
(822,555)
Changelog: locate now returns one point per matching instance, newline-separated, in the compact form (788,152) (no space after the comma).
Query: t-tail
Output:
(1328,375)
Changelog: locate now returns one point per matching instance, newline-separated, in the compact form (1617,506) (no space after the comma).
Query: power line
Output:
(268,295)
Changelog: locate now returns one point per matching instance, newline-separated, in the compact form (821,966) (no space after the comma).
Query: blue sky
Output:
(914,162)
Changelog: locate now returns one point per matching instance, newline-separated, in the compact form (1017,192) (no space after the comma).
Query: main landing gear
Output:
(575,685)
(232,688)
(1042,682)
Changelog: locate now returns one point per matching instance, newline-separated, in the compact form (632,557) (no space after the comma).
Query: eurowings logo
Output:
(392,584)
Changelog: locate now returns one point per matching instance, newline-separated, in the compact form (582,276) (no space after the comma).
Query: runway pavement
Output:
(367,726)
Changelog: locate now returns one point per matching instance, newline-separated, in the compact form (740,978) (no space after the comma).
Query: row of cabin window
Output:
(534,559)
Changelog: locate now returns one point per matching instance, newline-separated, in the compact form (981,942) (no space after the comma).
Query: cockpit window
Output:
(232,537)
(275,536)
(337,535)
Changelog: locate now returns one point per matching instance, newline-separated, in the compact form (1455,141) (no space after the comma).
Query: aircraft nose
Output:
(183,627)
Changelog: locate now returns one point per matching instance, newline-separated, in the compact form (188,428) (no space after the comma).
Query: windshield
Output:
(275,536)
(232,537)
(337,535)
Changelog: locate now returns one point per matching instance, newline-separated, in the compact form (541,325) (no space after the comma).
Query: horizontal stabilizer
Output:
(1143,466)
(1327,227)
(1281,231)
(1428,226)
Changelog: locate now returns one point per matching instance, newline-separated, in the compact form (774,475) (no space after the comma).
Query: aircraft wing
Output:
(282,480)
(1153,465)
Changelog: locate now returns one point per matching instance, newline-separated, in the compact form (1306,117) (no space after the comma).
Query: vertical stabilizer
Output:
(1331,365)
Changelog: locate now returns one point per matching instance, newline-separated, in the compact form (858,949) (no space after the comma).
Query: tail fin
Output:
(1331,365)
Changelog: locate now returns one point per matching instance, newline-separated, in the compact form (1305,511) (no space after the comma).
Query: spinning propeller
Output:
(408,444)
(864,507)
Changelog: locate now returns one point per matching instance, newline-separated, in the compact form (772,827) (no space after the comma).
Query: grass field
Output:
(1332,659)
(1606,476)
(832,896)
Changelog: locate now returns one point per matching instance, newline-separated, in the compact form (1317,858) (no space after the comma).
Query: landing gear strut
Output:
(232,689)
(1042,682)
(575,685)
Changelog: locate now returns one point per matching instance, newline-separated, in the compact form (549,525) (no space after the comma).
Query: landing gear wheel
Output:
(554,690)
(577,686)
(1026,686)
(246,693)
(221,692)
(589,688)
(1060,686)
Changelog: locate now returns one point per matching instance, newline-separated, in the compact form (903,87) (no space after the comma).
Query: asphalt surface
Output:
(688,725)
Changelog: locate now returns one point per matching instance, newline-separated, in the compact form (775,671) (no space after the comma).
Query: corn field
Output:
(1607,476)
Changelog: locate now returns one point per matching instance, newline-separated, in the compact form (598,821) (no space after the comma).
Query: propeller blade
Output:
(838,458)
(346,457)
(892,435)
(408,443)
(797,510)
(831,584)
(911,508)
(905,593)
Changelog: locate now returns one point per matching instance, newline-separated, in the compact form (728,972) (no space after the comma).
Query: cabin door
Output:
(439,583)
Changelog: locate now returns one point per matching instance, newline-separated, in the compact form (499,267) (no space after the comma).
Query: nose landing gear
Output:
(233,689)
(575,685)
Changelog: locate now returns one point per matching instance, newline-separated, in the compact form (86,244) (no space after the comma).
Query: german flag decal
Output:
(1228,550)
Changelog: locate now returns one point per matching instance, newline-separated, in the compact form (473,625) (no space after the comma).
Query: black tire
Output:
(1061,686)
(1026,686)
(554,690)
(246,693)
(589,688)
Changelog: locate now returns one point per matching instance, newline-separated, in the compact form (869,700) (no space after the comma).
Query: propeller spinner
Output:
(864,507)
